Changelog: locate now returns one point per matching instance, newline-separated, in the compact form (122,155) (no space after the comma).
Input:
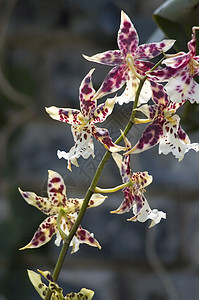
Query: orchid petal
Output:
(162,74)
(74,204)
(110,58)
(158,95)
(151,50)
(115,79)
(56,189)
(102,111)
(86,93)
(84,294)
(86,237)
(127,203)
(150,111)
(180,60)
(44,233)
(67,115)
(41,203)
(83,146)
(127,36)
(150,137)
(40,287)
(83,141)
(175,141)
(142,66)
(183,87)
(102,135)
(129,93)
(96,200)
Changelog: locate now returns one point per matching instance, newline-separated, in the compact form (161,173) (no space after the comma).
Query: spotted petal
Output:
(74,204)
(67,115)
(151,50)
(127,36)
(150,136)
(115,79)
(40,287)
(162,74)
(179,61)
(175,140)
(86,237)
(158,94)
(102,111)
(86,93)
(127,203)
(44,233)
(110,58)
(183,87)
(56,189)
(84,294)
(102,135)
(41,203)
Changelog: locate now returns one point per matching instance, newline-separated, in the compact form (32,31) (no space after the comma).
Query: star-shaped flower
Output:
(180,70)
(83,123)
(164,127)
(134,194)
(130,63)
(57,292)
(51,206)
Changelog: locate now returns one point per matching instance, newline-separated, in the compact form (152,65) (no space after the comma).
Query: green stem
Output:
(112,190)
(93,184)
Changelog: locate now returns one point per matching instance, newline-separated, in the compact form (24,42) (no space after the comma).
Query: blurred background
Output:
(41,64)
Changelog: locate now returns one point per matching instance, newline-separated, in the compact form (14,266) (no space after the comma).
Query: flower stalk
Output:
(113,190)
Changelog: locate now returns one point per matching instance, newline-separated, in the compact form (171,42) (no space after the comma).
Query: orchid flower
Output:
(129,62)
(57,292)
(180,70)
(83,123)
(134,194)
(164,127)
(51,206)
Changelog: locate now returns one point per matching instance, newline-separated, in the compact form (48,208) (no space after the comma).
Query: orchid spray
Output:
(168,84)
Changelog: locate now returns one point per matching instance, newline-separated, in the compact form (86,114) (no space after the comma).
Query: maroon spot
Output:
(42,238)
(127,24)
(91,240)
(125,30)
(86,90)
(82,235)
(35,243)
(55,179)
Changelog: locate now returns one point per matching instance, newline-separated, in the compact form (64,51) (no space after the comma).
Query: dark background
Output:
(41,43)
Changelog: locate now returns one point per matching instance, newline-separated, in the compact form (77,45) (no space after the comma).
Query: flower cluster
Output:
(168,86)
